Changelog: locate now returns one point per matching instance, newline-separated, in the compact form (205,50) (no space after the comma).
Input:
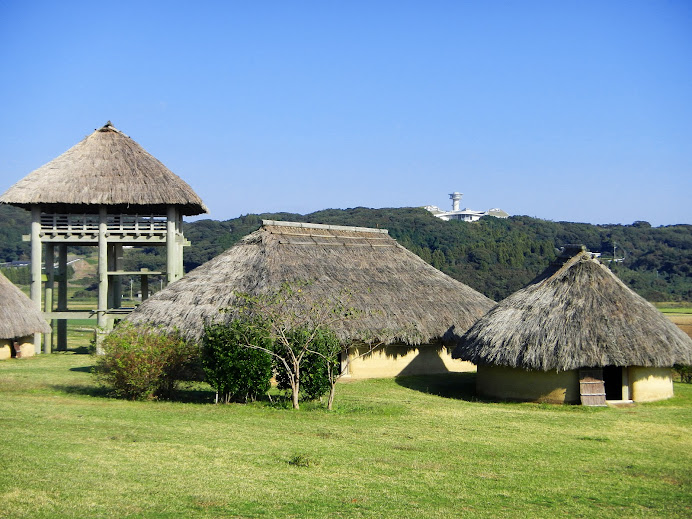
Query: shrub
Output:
(238,373)
(142,362)
(684,371)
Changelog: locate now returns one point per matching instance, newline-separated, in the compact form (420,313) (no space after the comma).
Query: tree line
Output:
(494,256)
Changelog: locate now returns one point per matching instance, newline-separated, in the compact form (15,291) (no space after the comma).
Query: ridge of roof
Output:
(303,225)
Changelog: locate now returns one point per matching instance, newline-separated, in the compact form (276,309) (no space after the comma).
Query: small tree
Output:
(295,324)
(301,331)
(236,372)
(317,366)
(330,352)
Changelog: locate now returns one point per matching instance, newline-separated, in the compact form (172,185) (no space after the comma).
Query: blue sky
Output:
(575,111)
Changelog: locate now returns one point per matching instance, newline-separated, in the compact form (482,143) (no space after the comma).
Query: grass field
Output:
(412,447)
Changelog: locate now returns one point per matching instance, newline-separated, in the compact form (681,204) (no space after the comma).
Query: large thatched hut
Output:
(19,320)
(405,303)
(105,191)
(576,332)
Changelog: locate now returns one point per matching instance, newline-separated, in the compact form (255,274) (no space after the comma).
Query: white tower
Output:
(456,198)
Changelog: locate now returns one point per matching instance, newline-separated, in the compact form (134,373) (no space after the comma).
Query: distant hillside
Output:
(494,256)
(14,222)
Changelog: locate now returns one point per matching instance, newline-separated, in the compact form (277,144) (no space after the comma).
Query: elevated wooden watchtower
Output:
(105,191)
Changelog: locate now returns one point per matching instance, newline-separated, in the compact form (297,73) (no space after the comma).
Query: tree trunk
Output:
(332,390)
(295,383)
(294,388)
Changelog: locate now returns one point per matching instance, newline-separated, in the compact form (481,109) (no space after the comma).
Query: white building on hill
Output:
(465,215)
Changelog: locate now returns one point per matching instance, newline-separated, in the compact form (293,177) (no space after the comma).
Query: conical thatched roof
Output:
(576,314)
(106,168)
(18,316)
(402,297)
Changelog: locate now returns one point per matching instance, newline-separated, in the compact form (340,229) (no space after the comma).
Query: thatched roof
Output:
(576,314)
(18,316)
(106,168)
(402,298)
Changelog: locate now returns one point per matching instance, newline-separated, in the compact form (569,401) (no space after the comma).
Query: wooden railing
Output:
(89,223)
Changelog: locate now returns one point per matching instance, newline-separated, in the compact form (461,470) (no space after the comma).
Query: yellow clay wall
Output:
(505,383)
(5,349)
(401,360)
(650,384)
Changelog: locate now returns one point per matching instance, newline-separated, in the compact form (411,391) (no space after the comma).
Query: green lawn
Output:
(413,447)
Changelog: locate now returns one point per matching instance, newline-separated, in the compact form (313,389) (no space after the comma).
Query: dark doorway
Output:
(612,376)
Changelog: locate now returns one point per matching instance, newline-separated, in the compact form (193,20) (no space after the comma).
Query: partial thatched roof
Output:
(106,168)
(18,316)
(576,314)
(402,298)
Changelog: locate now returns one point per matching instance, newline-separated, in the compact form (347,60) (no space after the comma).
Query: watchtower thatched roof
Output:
(403,299)
(106,168)
(576,314)
(18,315)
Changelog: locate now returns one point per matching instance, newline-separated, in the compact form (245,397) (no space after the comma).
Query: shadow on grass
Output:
(83,369)
(460,386)
(85,390)
(186,395)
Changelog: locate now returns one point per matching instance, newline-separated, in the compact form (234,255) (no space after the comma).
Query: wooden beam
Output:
(62,296)
(36,266)
(48,294)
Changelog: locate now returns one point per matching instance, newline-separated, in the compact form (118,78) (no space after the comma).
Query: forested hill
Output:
(492,255)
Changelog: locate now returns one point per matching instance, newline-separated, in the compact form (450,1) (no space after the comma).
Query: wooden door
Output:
(592,387)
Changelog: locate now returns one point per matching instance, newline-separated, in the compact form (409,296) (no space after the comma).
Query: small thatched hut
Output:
(576,332)
(19,320)
(406,303)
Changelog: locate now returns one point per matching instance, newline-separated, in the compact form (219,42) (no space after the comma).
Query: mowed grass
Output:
(413,447)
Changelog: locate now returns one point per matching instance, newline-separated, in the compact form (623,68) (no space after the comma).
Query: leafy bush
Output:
(142,363)
(237,372)
(684,371)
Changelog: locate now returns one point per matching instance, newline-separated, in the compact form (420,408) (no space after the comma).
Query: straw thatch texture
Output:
(402,298)
(18,316)
(575,315)
(106,168)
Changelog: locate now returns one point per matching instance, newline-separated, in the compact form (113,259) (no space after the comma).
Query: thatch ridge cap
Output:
(307,225)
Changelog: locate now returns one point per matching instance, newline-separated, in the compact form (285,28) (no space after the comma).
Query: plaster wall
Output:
(650,384)
(401,360)
(505,383)
(5,349)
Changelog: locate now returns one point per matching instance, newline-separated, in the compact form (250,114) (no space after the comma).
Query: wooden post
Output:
(181,244)
(110,255)
(36,266)
(48,295)
(171,246)
(118,261)
(144,286)
(102,321)
(62,296)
